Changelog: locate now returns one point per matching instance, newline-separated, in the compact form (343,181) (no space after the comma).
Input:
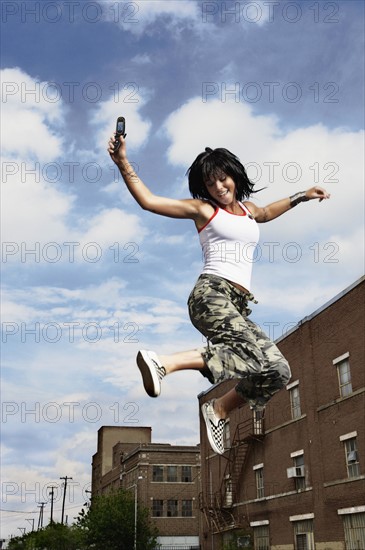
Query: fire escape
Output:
(217,505)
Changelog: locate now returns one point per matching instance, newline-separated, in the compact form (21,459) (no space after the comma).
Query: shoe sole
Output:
(210,437)
(150,379)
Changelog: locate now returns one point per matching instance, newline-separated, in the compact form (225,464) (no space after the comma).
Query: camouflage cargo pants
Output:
(237,347)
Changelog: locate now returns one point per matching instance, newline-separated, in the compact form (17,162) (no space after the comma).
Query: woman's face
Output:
(221,188)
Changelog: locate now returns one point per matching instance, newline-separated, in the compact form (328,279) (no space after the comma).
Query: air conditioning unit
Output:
(295,471)
(352,457)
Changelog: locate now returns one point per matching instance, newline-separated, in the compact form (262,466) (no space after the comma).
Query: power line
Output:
(18,511)
(36,512)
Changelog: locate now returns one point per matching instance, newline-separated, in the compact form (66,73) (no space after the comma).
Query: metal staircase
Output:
(216,515)
(217,506)
(246,432)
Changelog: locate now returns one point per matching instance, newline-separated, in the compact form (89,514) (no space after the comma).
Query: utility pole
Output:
(31,520)
(41,505)
(88,504)
(51,494)
(64,496)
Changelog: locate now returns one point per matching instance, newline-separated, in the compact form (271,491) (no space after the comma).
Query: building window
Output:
(261,537)
(352,461)
(186,474)
(258,421)
(297,471)
(259,474)
(296,410)
(157,508)
(172,508)
(157,473)
(228,493)
(342,365)
(300,472)
(303,535)
(187,508)
(354,528)
(344,377)
(227,435)
(172,473)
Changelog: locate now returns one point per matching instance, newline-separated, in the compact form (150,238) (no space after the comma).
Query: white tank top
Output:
(228,242)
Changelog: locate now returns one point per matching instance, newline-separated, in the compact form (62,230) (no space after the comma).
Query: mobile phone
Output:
(119,131)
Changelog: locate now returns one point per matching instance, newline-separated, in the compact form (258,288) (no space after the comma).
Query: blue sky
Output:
(87,277)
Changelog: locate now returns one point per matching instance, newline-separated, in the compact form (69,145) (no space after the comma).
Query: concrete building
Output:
(163,478)
(296,479)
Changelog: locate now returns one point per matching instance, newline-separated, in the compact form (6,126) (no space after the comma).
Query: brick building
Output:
(163,478)
(296,479)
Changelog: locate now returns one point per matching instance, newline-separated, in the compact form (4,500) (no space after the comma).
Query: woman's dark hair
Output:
(210,164)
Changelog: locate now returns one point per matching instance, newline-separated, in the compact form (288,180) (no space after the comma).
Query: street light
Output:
(135,512)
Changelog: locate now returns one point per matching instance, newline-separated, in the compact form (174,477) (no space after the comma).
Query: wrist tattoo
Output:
(297,198)
(264,215)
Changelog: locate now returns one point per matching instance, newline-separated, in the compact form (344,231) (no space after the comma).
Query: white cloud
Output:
(29,117)
(23,490)
(38,210)
(128,104)
(37,218)
(112,225)
(196,125)
(141,16)
(35,211)
(103,304)
(312,155)
(142,59)
(177,15)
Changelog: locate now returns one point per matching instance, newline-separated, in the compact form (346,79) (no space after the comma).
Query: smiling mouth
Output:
(222,194)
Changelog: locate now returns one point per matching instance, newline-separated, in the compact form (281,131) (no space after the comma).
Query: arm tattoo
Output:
(264,215)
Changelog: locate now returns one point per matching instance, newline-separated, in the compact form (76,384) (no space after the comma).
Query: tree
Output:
(110,523)
(54,537)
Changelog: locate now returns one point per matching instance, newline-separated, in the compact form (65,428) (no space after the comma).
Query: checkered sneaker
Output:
(215,427)
(152,372)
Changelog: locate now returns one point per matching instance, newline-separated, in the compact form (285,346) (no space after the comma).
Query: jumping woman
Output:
(219,302)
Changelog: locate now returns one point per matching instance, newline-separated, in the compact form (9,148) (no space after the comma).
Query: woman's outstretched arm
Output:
(173,208)
(277,208)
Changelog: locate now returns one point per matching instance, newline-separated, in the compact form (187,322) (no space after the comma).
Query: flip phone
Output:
(119,131)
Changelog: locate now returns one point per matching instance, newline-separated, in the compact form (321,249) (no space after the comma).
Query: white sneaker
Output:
(215,427)
(152,372)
